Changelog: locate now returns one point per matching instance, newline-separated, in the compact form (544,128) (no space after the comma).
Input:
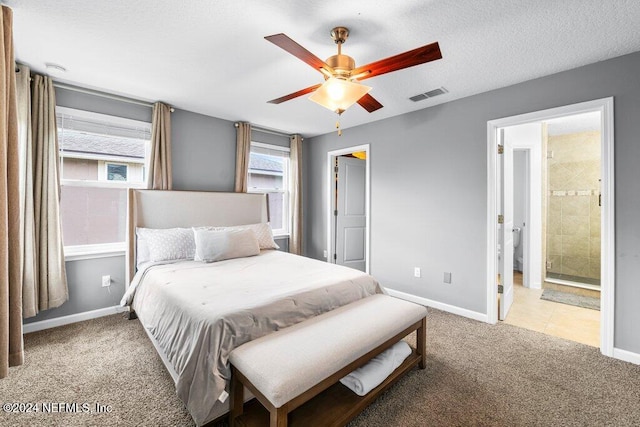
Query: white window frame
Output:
(286,173)
(101,250)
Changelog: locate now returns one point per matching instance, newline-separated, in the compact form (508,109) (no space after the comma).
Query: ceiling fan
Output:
(341,88)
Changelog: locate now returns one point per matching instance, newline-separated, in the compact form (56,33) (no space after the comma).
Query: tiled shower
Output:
(573,208)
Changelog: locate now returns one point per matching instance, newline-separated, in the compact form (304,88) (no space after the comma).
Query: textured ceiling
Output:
(210,56)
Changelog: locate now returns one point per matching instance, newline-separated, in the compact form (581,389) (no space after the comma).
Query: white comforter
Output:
(198,313)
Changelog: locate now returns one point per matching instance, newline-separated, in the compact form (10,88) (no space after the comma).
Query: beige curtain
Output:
(243,147)
(51,279)
(295,240)
(160,176)
(28,265)
(11,345)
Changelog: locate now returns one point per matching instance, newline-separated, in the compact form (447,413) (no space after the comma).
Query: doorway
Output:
(497,235)
(348,219)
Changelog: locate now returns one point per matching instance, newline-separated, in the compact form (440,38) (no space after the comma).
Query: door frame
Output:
(331,155)
(505,230)
(607,249)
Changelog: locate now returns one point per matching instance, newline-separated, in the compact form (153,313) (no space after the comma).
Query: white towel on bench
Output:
(366,378)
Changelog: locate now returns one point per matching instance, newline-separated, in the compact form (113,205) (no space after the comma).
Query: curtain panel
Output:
(28,265)
(51,279)
(243,147)
(295,239)
(11,344)
(160,174)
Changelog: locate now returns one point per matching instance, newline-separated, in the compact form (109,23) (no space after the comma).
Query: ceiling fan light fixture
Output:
(339,94)
(343,68)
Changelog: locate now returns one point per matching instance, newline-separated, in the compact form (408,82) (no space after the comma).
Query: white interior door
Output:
(505,229)
(350,213)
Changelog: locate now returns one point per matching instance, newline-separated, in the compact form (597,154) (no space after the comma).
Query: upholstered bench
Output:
(289,367)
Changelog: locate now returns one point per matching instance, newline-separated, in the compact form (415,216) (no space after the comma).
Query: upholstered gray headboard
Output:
(169,209)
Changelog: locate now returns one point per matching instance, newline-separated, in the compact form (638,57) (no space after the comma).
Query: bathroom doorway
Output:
(575,236)
(556,175)
(566,164)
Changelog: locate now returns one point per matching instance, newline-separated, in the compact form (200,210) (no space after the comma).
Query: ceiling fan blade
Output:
(423,54)
(369,103)
(295,94)
(285,42)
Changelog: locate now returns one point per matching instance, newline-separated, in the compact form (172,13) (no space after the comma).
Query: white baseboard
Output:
(627,356)
(438,305)
(72,318)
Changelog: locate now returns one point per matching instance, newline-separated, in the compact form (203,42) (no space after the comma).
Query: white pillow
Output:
(264,234)
(214,245)
(165,244)
(262,231)
(142,248)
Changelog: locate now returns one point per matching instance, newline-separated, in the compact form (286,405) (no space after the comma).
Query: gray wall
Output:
(269,138)
(429,187)
(84,279)
(203,152)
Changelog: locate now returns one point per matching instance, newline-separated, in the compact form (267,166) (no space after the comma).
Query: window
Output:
(269,173)
(116,172)
(100,157)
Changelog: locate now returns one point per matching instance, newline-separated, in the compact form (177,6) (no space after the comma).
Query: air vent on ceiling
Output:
(430,94)
(418,97)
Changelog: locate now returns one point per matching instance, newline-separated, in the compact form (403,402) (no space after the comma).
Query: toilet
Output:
(517,260)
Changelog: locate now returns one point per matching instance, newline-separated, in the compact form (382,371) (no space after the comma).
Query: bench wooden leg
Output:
(421,343)
(278,417)
(236,402)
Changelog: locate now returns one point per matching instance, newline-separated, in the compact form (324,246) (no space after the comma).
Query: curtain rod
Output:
(265,130)
(104,94)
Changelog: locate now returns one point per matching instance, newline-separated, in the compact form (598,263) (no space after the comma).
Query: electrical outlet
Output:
(106,281)
(325,254)
(416,272)
(447,277)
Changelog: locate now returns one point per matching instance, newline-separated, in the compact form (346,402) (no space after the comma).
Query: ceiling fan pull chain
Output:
(338,126)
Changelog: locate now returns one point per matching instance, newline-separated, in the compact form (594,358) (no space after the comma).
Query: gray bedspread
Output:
(198,313)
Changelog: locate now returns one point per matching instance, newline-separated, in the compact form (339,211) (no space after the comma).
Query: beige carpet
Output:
(476,374)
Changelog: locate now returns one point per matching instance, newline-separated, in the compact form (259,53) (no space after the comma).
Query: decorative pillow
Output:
(263,233)
(165,244)
(213,245)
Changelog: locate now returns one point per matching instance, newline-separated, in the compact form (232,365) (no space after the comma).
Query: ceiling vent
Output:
(430,94)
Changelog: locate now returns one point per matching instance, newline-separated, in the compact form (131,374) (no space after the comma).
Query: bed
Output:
(196,313)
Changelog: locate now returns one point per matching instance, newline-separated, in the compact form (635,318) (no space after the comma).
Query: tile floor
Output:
(552,318)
